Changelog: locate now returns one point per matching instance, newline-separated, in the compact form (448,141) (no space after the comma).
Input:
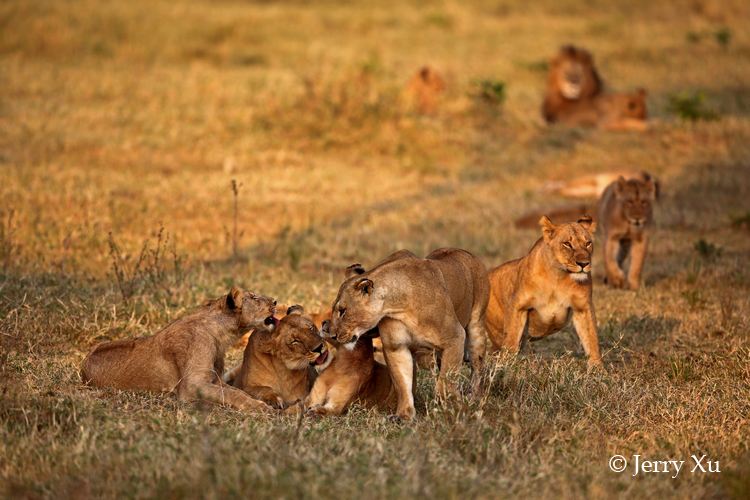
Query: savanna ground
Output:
(122,125)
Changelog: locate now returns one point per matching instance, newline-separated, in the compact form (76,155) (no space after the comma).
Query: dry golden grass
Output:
(129,117)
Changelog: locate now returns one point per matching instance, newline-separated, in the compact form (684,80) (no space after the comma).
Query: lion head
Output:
(571,245)
(251,311)
(297,341)
(358,308)
(636,197)
(572,74)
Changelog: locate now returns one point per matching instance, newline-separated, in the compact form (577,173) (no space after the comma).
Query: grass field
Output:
(123,125)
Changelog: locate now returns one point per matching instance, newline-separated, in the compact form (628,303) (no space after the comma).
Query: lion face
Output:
(636,197)
(297,341)
(357,309)
(572,73)
(571,244)
(251,310)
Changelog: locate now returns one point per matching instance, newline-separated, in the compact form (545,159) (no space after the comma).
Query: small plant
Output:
(235,218)
(691,107)
(741,221)
(490,91)
(707,250)
(694,298)
(723,36)
(150,270)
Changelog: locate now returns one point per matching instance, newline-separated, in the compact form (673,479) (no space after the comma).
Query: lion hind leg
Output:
(101,365)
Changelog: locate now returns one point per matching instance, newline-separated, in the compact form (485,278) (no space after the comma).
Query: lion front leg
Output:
(585,325)
(637,258)
(515,323)
(614,275)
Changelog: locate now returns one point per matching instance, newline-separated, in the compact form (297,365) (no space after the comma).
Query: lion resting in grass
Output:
(424,90)
(539,292)
(625,217)
(187,356)
(435,302)
(575,96)
(277,366)
(572,79)
(348,376)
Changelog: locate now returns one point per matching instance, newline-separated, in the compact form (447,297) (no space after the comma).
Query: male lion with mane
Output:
(186,356)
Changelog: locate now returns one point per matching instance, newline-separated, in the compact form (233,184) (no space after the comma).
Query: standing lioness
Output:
(187,356)
(625,216)
(539,292)
(432,302)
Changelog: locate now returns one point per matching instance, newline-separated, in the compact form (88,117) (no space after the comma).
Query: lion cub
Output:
(438,302)
(186,356)
(539,292)
(350,375)
(278,367)
(625,216)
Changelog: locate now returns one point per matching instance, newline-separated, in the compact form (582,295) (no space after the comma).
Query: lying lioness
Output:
(432,302)
(348,376)
(187,356)
(542,290)
(278,367)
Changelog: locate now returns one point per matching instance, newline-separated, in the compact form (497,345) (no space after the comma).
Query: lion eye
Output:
(295,341)
(342,311)
(588,244)
(568,245)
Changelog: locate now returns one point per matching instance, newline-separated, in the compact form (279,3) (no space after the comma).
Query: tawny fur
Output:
(540,292)
(625,220)
(278,367)
(425,90)
(187,356)
(352,376)
(435,302)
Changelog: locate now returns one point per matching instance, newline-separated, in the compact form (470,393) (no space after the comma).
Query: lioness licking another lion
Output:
(186,356)
(438,302)
(540,292)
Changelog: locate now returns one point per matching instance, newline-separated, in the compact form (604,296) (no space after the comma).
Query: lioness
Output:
(572,79)
(625,215)
(278,367)
(539,292)
(186,356)
(350,375)
(616,111)
(432,302)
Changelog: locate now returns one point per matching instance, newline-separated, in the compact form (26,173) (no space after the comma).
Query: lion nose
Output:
(582,263)
(274,303)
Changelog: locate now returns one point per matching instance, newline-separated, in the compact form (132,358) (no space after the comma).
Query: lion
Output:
(572,79)
(625,217)
(348,376)
(575,96)
(424,90)
(539,292)
(437,302)
(186,356)
(615,111)
(277,367)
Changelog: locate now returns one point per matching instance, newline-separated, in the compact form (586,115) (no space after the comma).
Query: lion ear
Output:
(234,298)
(354,270)
(548,228)
(364,285)
(588,223)
(652,185)
(295,309)
(620,185)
